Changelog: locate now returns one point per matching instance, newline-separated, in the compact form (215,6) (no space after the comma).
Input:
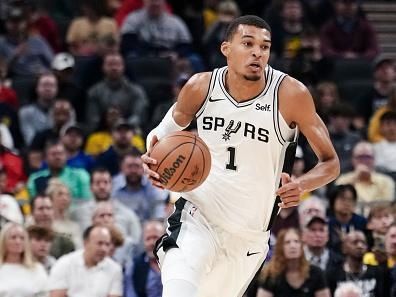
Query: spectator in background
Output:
(371,280)
(72,137)
(318,12)
(9,208)
(343,219)
(40,241)
(85,31)
(7,93)
(374,132)
(288,273)
(385,158)
(20,275)
(327,96)
(348,34)
(370,185)
(309,208)
(63,66)
(390,245)
(380,96)
(343,138)
(348,289)
(153,31)
(101,185)
(135,191)
(214,35)
(12,165)
(142,277)
(100,140)
(61,114)
(43,216)
(60,196)
(116,90)
(35,117)
(77,274)
(9,117)
(27,55)
(76,179)
(42,24)
(315,235)
(122,134)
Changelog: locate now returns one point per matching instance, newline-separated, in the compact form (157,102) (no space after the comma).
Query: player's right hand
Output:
(147,160)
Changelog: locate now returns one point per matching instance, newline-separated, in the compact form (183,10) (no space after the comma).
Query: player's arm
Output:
(297,107)
(178,117)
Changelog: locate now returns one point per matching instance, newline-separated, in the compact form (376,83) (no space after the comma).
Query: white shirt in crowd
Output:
(70,273)
(17,280)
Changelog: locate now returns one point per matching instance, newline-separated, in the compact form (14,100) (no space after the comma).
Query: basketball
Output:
(183,161)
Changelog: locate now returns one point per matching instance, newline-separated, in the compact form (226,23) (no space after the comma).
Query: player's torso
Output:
(245,141)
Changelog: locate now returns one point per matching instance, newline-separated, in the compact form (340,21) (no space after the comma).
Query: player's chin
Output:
(252,77)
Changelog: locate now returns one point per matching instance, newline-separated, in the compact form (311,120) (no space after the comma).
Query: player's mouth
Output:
(255,66)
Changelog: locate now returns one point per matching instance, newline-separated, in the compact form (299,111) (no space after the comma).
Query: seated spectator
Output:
(214,35)
(385,159)
(132,188)
(27,55)
(348,289)
(43,216)
(73,274)
(72,137)
(122,134)
(315,235)
(40,241)
(288,273)
(153,31)
(326,96)
(381,98)
(35,117)
(122,247)
(310,207)
(348,34)
(371,186)
(382,249)
(7,93)
(116,90)
(370,279)
(143,277)
(100,140)
(85,31)
(76,179)
(12,165)
(62,114)
(126,220)
(60,196)
(41,23)
(63,66)
(342,220)
(341,135)
(20,275)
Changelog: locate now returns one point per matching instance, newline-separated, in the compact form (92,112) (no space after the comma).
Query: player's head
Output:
(246,46)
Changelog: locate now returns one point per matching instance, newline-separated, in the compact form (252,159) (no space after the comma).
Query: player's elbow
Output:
(333,167)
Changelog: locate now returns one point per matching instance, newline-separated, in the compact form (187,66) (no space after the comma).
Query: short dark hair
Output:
(388,116)
(39,233)
(33,200)
(133,153)
(337,190)
(99,170)
(250,20)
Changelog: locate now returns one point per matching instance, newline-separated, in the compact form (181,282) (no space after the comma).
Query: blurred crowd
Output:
(83,82)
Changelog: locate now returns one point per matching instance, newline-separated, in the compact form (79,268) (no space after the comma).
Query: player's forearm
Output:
(323,173)
(167,125)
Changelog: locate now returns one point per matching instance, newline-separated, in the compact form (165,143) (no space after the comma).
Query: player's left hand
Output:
(289,192)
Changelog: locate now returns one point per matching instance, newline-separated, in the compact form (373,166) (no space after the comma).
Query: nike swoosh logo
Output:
(251,254)
(214,100)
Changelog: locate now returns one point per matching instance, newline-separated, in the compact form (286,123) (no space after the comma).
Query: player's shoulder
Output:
(292,88)
(198,84)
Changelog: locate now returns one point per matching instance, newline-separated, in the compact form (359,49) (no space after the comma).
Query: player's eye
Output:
(265,47)
(247,43)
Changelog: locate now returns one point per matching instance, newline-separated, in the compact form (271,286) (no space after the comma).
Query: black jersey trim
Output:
(275,111)
(268,75)
(212,83)
(169,239)
(287,167)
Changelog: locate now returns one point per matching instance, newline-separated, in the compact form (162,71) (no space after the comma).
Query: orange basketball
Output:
(183,161)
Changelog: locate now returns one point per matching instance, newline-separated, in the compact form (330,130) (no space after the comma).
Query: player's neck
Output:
(242,89)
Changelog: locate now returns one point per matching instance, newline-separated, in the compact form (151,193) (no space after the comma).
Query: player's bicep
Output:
(191,98)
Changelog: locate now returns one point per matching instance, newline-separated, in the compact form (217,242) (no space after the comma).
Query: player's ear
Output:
(225,48)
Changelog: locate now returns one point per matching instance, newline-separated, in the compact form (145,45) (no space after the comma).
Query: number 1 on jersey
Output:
(231,160)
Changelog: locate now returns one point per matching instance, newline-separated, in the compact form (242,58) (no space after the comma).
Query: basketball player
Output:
(249,115)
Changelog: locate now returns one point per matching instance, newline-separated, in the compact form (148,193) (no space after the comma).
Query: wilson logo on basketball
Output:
(167,173)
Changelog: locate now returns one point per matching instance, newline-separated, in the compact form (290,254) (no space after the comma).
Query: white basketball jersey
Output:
(248,142)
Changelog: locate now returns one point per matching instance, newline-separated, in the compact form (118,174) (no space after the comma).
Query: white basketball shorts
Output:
(218,263)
